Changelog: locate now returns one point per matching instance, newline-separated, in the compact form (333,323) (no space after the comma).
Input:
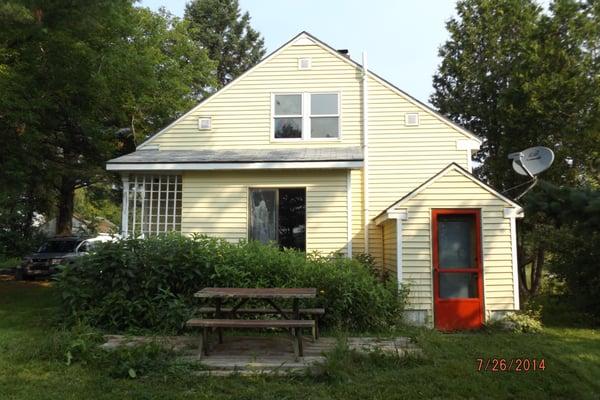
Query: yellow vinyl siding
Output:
(403,157)
(241,114)
(216,204)
(400,157)
(454,190)
(358,241)
(389,245)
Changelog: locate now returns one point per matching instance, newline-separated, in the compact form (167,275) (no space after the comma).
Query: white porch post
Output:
(512,214)
(125,206)
(399,250)
(349,214)
(399,217)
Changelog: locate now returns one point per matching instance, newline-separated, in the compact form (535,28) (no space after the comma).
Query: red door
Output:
(457,269)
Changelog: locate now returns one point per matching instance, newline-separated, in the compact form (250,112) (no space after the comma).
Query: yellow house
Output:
(313,150)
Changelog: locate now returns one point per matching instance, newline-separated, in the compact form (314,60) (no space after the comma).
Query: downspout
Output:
(365,149)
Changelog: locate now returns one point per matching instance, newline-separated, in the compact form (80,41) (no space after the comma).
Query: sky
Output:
(401,37)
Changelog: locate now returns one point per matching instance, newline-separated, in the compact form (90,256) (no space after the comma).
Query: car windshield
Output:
(59,246)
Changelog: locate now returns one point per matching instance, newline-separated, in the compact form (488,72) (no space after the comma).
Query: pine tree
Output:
(219,27)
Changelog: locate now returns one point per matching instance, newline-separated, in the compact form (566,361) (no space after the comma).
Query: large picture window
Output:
(278,215)
(306,116)
(154,205)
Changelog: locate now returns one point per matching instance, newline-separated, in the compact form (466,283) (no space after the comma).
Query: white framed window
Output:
(306,116)
(154,205)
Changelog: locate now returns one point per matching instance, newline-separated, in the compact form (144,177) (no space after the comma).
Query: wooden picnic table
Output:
(269,295)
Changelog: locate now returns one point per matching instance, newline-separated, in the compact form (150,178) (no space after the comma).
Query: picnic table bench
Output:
(291,317)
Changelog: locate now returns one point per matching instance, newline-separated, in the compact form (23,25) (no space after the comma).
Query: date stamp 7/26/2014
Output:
(510,364)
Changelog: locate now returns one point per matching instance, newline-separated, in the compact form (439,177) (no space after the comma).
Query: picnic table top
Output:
(257,293)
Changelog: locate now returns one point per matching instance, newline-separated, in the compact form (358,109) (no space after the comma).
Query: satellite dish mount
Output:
(531,162)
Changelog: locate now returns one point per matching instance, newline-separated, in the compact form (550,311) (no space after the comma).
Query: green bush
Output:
(149,284)
(524,321)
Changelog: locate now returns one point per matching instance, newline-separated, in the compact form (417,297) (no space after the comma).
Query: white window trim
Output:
(306,116)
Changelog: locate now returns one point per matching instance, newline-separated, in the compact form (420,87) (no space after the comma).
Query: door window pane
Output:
(262,215)
(456,240)
(288,104)
(292,218)
(457,285)
(324,104)
(324,127)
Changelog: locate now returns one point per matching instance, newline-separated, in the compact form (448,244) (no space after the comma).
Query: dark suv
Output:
(56,251)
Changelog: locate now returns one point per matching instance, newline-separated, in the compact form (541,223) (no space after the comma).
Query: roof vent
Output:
(344,52)
(304,63)
(411,119)
(204,123)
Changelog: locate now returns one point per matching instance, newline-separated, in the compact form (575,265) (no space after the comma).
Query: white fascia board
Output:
(392,214)
(467,144)
(514,212)
(233,166)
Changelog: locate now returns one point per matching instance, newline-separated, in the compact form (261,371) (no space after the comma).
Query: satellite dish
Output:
(532,161)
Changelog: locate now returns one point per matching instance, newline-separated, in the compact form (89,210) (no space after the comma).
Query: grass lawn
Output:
(447,370)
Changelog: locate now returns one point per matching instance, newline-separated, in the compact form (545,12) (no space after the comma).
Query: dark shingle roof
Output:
(240,156)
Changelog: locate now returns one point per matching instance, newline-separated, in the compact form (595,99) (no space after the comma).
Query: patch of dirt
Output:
(38,283)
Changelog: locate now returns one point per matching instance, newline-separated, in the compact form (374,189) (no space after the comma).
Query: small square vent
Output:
(204,123)
(411,119)
(304,63)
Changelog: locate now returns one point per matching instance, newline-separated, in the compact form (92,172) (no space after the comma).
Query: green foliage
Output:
(219,27)
(524,321)
(82,82)
(448,369)
(572,241)
(519,77)
(149,284)
(99,201)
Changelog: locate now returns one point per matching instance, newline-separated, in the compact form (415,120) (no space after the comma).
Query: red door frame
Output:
(469,303)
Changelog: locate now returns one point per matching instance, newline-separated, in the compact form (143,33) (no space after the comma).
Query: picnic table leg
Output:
(295,343)
(298,331)
(204,348)
(218,316)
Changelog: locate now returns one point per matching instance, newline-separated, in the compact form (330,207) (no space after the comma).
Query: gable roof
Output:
(448,168)
(307,37)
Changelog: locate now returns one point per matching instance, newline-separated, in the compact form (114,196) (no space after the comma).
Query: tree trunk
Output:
(66,199)
(536,271)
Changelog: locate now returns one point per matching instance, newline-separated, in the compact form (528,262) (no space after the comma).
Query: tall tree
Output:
(518,77)
(219,27)
(89,79)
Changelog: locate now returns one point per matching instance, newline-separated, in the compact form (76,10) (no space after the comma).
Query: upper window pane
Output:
(324,104)
(288,104)
(457,241)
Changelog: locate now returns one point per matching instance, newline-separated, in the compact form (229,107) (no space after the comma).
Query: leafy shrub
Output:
(149,284)
(524,321)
